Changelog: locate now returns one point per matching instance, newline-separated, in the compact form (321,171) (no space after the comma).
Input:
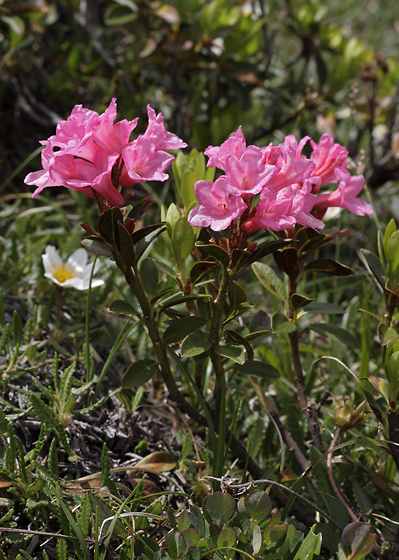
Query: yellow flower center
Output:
(62,272)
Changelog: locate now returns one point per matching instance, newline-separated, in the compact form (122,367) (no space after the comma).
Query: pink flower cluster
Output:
(286,182)
(89,152)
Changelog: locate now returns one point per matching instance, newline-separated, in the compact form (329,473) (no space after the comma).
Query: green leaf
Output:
(381,385)
(173,214)
(119,15)
(329,266)
(2,312)
(374,264)
(149,276)
(180,328)
(183,299)
(105,512)
(140,208)
(287,260)
(16,328)
(357,540)
(387,335)
(201,269)
(182,238)
(392,373)
(390,230)
(311,545)
(256,538)
(270,280)
(274,535)
(235,352)
(240,259)
(187,187)
(215,251)
(139,373)
(52,459)
(335,333)
(41,411)
(241,308)
(267,248)
(160,295)
(121,307)
(259,369)
(227,538)
(184,521)
(74,527)
(107,225)
(195,344)
(33,454)
(258,504)
(126,246)
(236,337)
(143,232)
(5,339)
(191,535)
(66,382)
(84,514)
(62,549)
(280,324)
(220,507)
(309,239)
(322,307)
(105,466)
(177,546)
(392,255)
(298,301)
(362,541)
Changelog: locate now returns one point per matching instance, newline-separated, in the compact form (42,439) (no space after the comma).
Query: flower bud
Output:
(347,415)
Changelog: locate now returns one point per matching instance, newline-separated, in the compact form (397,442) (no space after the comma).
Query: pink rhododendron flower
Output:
(328,157)
(112,137)
(345,196)
(247,175)
(291,165)
(144,162)
(92,154)
(217,207)
(162,139)
(235,145)
(286,181)
(273,211)
(303,202)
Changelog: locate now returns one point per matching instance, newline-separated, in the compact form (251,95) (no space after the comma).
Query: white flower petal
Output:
(50,258)
(78,260)
(87,271)
(51,277)
(74,282)
(96,282)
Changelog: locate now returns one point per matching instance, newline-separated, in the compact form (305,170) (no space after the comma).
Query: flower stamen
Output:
(62,272)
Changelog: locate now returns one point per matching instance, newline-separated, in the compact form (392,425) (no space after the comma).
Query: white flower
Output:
(74,273)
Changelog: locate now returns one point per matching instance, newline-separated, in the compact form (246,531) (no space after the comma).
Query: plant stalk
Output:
(306,405)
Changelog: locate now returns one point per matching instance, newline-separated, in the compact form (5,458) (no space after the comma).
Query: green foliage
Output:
(27,480)
(225,317)
(357,541)
(229,526)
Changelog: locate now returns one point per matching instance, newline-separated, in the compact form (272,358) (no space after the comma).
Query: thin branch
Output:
(39,533)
